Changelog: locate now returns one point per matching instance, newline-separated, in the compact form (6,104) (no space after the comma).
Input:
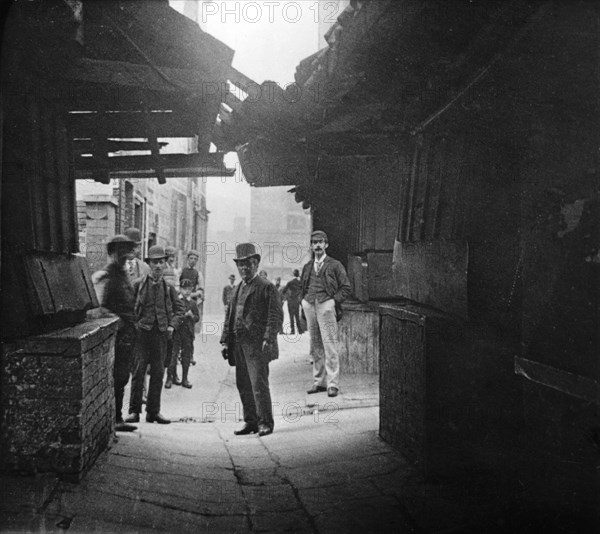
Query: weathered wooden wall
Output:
(359,339)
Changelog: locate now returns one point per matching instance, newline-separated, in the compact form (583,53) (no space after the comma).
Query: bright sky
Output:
(270,38)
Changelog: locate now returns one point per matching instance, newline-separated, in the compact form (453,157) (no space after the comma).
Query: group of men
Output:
(151,309)
(157,310)
(254,317)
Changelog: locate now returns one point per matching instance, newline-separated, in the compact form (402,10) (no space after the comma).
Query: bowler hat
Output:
(186,282)
(319,234)
(134,234)
(156,252)
(193,253)
(119,239)
(232,277)
(245,251)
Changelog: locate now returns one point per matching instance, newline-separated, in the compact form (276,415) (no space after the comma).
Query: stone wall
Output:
(58,399)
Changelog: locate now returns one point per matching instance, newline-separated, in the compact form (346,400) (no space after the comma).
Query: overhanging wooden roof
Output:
(146,72)
(390,67)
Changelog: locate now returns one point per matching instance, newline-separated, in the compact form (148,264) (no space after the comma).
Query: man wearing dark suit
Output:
(158,312)
(253,318)
(325,286)
(291,293)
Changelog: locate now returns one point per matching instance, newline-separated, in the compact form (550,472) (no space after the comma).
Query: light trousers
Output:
(324,339)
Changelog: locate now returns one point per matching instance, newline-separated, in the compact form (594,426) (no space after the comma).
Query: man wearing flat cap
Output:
(253,318)
(158,312)
(115,295)
(325,286)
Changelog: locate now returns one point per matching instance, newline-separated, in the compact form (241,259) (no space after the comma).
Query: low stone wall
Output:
(359,338)
(58,399)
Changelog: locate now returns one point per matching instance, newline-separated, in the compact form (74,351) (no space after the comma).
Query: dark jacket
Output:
(228,294)
(262,317)
(293,290)
(188,323)
(337,284)
(173,304)
(117,292)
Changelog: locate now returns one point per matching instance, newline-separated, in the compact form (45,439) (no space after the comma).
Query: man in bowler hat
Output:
(253,318)
(158,312)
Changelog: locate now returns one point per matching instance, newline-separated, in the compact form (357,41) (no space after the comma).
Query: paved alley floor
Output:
(324,469)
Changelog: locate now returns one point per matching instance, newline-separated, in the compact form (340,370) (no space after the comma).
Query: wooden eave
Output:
(137,84)
(389,70)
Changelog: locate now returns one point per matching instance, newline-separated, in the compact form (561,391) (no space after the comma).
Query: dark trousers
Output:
(150,349)
(294,311)
(123,357)
(183,340)
(252,380)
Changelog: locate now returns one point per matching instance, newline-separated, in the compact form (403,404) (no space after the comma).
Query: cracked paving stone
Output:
(342,472)
(134,513)
(318,500)
(294,521)
(172,485)
(204,470)
(259,477)
(270,498)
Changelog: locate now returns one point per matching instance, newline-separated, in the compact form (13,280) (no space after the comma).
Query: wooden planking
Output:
(133,124)
(359,340)
(433,273)
(434,197)
(172,161)
(122,73)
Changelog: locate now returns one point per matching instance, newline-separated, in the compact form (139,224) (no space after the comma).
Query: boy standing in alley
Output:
(184,336)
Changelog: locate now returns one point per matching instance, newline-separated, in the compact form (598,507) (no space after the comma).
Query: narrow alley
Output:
(324,469)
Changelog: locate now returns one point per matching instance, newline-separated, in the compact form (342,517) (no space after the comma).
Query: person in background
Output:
(135,267)
(279,289)
(189,272)
(184,337)
(228,291)
(263,274)
(115,295)
(171,276)
(291,293)
(159,311)
(172,273)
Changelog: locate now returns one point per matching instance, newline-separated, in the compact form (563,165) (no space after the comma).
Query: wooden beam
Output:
(133,124)
(233,101)
(166,161)
(122,73)
(168,173)
(240,80)
(86,146)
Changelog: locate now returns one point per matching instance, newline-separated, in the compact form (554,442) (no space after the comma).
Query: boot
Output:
(168,382)
(184,372)
(176,380)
